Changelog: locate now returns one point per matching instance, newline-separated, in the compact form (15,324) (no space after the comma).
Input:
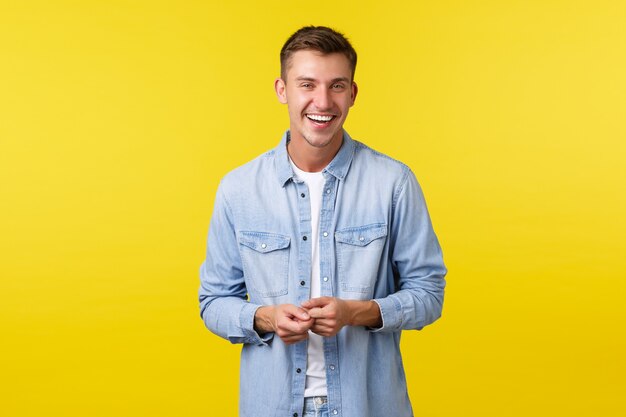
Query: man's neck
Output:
(310,158)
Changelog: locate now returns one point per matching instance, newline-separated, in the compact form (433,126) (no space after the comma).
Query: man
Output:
(320,252)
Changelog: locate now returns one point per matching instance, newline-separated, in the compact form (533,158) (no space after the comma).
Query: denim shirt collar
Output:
(338,167)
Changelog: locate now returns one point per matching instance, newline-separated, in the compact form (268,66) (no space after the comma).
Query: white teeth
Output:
(319,118)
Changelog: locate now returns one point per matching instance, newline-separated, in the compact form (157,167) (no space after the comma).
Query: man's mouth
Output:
(320,119)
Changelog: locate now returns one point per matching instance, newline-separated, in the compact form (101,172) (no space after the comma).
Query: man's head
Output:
(317,84)
(316,38)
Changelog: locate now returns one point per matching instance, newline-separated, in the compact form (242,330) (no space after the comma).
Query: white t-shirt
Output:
(315,384)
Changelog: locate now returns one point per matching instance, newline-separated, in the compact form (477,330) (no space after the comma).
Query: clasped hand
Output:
(324,316)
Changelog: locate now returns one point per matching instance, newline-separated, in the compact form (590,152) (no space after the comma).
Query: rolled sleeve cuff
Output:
(246,321)
(391,314)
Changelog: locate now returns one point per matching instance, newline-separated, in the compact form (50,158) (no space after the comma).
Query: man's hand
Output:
(289,322)
(330,314)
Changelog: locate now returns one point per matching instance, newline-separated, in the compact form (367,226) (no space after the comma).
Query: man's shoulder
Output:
(377,162)
(261,166)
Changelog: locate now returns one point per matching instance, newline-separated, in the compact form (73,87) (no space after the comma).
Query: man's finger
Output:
(294,327)
(315,302)
(316,313)
(297,312)
(324,331)
(320,329)
(327,324)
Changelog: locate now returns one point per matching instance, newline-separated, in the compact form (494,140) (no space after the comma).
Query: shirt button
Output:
(303,237)
(302,195)
(302,283)
(325,234)
(335,412)
(298,370)
(325,279)
(263,245)
(295,414)
(328,191)
(361,238)
(332,367)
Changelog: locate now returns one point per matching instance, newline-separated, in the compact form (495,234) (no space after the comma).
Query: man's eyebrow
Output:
(334,80)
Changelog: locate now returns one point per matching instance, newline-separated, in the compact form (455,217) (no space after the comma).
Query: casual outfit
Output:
(375,242)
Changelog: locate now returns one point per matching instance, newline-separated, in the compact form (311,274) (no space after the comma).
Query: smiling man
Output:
(320,252)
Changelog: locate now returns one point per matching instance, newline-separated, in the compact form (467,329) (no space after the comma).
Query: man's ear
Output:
(355,90)
(280,88)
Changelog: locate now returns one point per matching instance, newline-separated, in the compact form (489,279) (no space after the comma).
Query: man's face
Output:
(318,92)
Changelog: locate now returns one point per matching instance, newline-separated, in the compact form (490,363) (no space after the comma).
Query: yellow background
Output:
(118,118)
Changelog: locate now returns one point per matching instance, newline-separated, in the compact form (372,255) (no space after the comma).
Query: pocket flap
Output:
(263,242)
(362,235)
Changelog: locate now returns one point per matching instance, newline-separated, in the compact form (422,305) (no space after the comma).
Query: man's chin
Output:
(319,144)
(320,141)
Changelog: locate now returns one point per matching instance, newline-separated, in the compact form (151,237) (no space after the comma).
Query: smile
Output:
(319,118)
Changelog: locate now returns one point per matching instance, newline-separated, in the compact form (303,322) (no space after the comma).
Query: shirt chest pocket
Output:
(359,252)
(265,258)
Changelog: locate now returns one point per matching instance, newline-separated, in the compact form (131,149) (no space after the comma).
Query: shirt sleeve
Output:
(223,294)
(417,264)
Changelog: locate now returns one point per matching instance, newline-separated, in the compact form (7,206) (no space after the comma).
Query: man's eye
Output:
(338,86)
(307,85)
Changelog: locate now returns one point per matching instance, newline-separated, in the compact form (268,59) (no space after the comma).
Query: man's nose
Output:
(322,99)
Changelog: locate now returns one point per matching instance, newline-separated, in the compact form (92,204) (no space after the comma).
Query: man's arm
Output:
(417,263)
(222,294)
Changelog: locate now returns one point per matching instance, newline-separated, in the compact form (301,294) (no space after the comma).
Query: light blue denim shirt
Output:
(376,242)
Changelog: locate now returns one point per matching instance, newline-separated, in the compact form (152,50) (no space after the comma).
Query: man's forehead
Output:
(310,64)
